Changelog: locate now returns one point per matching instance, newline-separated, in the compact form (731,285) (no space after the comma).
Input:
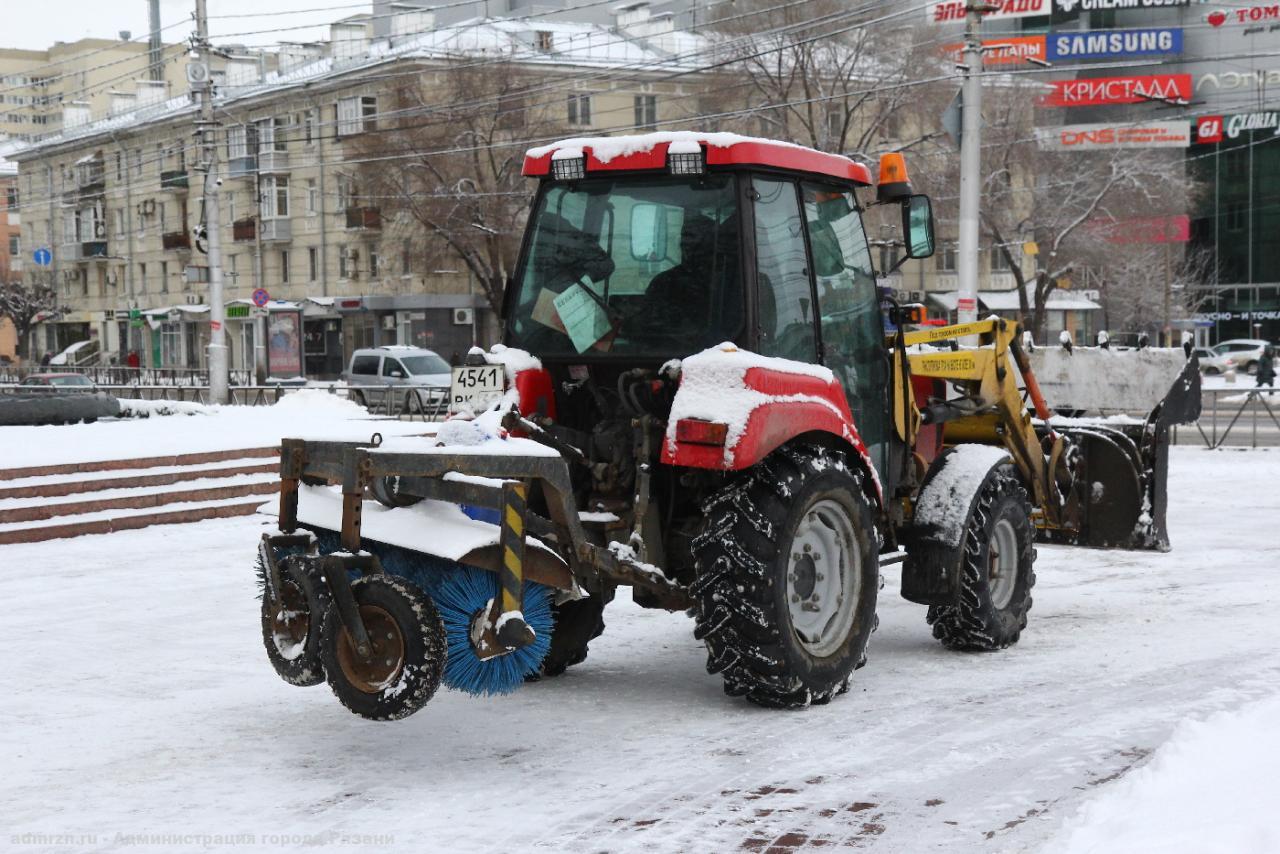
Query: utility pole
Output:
(206,133)
(970,163)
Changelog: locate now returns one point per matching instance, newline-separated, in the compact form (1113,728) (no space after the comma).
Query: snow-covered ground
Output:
(312,412)
(139,711)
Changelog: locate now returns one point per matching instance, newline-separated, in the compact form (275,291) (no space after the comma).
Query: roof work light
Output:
(894,182)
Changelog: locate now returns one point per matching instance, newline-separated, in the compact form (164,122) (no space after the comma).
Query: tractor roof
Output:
(649,151)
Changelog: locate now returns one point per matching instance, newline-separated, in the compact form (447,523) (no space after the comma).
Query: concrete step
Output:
(44,486)
(122,520)
(139,463)
(130,499)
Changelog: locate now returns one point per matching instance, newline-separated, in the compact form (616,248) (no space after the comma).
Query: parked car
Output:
(427,375)
(1213,364)
(58,382)
(1245,352)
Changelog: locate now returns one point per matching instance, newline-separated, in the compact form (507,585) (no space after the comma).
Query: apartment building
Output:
(10,244)
(117,199)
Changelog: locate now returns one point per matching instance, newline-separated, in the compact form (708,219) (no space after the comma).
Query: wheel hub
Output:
(806,576)
(1002,563)
(823,576)
(386,656)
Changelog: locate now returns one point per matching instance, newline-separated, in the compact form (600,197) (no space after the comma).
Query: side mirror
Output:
(917,226)
(397,375)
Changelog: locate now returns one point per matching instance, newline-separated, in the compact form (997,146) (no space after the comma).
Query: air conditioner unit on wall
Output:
(464,316)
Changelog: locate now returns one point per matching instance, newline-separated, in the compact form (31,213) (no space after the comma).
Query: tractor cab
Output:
(643,249)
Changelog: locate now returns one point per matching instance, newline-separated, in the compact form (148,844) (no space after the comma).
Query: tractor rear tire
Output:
(291,623)
(996,570)
(577,623)
(780,633)
(408,650)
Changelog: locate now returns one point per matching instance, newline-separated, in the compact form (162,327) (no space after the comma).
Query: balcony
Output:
(273,162)
(174,179)
(85,251)
(239,168)
(277,230)
(176,240)
(364,218)
(244,229)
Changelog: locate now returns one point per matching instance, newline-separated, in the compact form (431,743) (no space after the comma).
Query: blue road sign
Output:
(43,257)
(261,297)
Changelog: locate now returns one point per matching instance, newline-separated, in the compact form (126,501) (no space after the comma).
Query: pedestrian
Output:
(1267,369)
(133,361)
(45,359)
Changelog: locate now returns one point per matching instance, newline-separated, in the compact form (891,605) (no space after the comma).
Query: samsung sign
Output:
(1114,44)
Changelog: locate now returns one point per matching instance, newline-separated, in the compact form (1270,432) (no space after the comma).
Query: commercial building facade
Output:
(118,201)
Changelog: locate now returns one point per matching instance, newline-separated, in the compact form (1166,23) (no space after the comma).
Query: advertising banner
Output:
(952,11)
(1093,91)
(1101,137)
(1152,229)
(1218,128)
(284,344)
(1113,44)
(1255,18)
(1092,5)
(1009,51)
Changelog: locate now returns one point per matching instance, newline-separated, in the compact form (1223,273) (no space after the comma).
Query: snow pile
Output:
(943,506)
(147,408)
(513,360)
(606,148)
(713,387)
(1210,788)
(312,402)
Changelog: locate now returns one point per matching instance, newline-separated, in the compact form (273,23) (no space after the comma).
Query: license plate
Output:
(476,387)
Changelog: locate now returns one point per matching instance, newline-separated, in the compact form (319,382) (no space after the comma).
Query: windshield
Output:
(631,267)
(429,363)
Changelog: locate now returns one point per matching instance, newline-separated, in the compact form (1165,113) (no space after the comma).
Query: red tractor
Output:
(704,396)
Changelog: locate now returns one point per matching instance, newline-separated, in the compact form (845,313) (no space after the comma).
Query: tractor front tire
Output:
(787,576)
(408,651)
(996,570)
(291,622)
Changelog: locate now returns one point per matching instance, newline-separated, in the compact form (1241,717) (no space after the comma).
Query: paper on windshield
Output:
(583,318)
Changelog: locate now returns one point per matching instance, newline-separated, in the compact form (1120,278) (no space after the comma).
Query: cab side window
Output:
(392,368)
(849,308)
(784,293)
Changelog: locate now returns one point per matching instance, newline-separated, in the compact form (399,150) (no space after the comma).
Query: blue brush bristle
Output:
(459,592)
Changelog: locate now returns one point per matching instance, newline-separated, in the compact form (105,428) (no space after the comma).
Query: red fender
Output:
(788,405)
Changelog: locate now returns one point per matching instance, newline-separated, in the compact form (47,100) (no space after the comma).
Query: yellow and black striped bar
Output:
(515,494)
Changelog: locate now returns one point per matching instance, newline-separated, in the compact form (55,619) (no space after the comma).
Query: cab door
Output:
(851,330)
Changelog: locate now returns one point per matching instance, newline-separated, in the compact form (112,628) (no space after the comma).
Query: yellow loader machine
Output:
(704,396)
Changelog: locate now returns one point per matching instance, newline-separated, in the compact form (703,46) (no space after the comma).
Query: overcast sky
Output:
(36,25)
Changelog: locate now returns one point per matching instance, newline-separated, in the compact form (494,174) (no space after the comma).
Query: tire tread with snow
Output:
(424,649)
(976,622)
(742,558)
(297,663)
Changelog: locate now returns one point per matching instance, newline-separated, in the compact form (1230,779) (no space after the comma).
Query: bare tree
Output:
(845,92)
(22,305)
(1056,200)
(449,177)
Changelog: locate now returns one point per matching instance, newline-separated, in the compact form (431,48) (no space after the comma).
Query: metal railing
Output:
(123,375)
(405,402)
(1246,417)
